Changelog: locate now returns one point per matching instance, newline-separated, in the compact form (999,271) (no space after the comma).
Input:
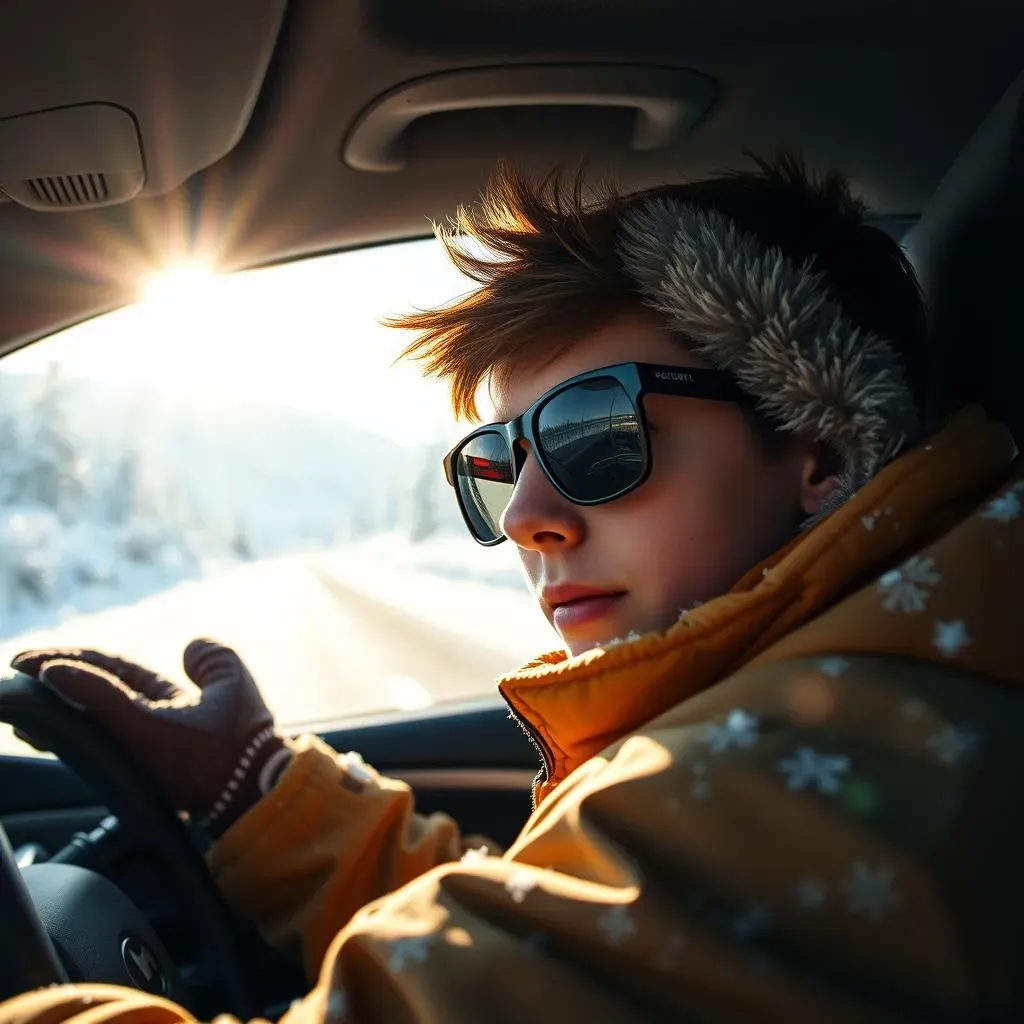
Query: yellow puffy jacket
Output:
(798,804)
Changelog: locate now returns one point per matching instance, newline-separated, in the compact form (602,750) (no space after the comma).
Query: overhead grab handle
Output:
(666,101)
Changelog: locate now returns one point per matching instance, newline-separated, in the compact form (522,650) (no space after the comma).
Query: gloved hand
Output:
(213,752)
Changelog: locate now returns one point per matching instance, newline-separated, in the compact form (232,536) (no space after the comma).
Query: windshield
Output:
(239,458)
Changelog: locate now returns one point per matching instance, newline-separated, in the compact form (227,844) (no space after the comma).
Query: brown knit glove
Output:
(213,751)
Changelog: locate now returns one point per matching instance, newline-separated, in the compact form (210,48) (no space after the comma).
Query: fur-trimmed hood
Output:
(749,309)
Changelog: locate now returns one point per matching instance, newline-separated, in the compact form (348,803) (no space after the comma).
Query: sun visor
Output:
(96,111)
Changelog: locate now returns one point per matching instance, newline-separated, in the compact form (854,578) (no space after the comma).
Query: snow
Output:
(109,494)
(454,583)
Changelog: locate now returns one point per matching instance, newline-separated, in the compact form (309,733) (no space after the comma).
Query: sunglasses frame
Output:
(636,380)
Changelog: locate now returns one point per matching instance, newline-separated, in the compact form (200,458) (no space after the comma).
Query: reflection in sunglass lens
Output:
(483,475)
(591,440)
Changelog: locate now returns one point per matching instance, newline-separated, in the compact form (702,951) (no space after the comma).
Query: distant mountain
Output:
(289,478)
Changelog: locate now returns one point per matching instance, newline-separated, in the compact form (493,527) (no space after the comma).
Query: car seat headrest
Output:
(968,251)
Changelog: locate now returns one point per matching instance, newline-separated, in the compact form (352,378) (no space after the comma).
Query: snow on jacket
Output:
(799,803)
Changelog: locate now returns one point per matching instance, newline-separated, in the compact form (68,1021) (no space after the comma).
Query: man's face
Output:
(713,507)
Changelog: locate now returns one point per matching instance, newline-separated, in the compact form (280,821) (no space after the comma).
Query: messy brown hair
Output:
(545,257)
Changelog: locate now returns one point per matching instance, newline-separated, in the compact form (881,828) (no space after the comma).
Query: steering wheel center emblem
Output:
(142,966)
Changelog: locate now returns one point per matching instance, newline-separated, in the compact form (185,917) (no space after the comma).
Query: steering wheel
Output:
(60,921)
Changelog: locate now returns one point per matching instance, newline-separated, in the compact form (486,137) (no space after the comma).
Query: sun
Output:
(179,283)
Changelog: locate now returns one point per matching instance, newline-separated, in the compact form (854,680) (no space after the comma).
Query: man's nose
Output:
(538,518)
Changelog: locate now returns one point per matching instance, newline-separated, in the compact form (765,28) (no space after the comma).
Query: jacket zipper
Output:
(545,755)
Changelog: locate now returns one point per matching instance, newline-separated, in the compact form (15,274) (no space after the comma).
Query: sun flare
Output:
(178,283)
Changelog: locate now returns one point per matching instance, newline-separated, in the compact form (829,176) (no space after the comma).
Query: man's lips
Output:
(576,606)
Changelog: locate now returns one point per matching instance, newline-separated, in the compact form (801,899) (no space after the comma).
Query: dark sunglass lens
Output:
(591,440)
(483,475)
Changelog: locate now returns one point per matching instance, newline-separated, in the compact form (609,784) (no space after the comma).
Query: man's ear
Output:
(819,477)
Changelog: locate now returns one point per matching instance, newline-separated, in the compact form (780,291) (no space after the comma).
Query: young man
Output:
(777,746)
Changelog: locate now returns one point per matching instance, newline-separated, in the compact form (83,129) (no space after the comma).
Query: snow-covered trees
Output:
(121,498)
(40,463)
(52,471)
(423,518)
(42,483)
(71,499)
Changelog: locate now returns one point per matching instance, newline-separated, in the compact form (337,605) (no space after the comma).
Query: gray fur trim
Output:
(749,309)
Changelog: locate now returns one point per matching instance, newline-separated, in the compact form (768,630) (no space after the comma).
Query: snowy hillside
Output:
(108,494)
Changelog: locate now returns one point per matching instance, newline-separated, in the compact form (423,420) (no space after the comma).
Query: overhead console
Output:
(103,103)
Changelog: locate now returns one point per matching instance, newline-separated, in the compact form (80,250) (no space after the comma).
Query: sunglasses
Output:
(589,435)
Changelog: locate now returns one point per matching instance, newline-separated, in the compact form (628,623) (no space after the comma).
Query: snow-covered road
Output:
(324,636)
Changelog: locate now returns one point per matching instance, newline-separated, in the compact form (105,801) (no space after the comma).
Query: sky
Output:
(304,334)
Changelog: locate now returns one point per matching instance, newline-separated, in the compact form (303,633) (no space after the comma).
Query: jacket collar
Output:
(577,706)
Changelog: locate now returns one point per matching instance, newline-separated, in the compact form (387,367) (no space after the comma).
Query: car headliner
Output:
(887,90)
